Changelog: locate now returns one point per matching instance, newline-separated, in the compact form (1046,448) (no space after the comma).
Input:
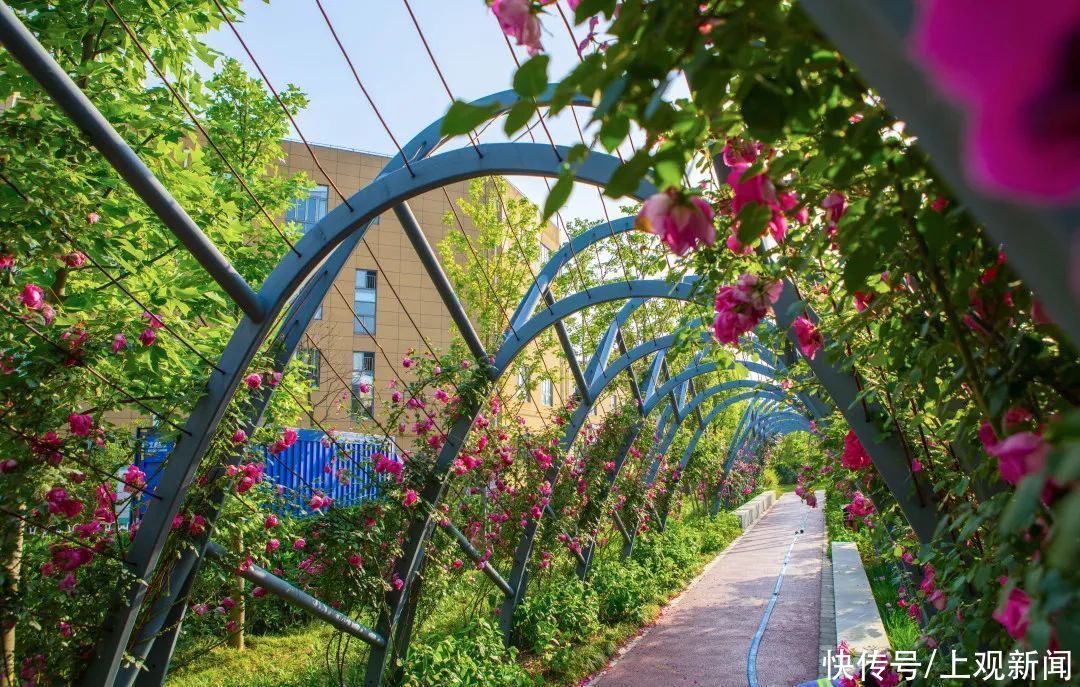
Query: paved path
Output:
(703,638)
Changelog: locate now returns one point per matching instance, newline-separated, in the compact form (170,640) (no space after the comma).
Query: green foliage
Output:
(492,270)
(555,619)
(661,563)
(469,656)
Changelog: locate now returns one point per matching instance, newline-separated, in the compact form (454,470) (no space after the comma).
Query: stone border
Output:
(751,511)
(858,621)
(827,620)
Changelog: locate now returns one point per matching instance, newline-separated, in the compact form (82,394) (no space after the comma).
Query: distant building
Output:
(346,341)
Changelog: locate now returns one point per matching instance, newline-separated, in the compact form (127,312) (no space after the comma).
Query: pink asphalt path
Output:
(703,638)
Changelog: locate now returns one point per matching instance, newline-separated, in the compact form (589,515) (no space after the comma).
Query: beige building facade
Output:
(363,329)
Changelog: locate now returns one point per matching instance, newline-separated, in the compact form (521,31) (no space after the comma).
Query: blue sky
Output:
(292,43)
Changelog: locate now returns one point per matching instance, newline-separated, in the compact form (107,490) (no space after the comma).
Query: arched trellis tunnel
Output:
(297,286)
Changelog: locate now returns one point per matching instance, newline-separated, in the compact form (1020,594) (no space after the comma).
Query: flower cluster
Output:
(741,306)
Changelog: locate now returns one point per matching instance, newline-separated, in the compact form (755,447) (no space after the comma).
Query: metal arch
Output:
(645,288)
(251,332)
(382,194)
(559,258)
(700,430)
(761,426)
(653,396)
(700,369)
(758,428)
(722,405)
(302,312)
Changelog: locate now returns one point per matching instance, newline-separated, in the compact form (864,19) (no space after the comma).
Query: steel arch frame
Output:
(652,397)
(388,192)
(385,193)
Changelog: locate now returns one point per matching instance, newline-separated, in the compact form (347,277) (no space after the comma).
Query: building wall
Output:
(388,248)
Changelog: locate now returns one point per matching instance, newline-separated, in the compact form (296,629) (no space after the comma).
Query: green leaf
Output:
(614,131)
(627,177)
(519,116)
(463,117)
(588,8)
(670,166)
(531,78)
(753,219)
(859,265)
(764,110)
(1022,506)
(559,194)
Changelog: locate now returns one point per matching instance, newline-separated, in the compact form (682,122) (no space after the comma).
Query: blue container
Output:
(299,468)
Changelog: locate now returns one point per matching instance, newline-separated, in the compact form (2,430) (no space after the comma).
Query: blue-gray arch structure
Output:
(297,285)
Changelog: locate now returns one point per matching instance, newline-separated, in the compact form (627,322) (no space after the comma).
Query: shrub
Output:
(561,613)
(472,655)
(624,590)
(716,533)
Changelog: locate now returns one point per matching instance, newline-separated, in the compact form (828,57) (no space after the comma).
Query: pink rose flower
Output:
(1023,127)
(32,297)
(119,343)
(855,456)
(148,337)
(1014,614)
(155,321)
(239,436)
(517,21)
(253,380)
(80,425)
(683,222)
(75,258)
(1019,455)
(740,307)
(808,336)
(409,499)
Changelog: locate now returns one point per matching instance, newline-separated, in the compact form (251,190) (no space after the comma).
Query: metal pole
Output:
(69,97)
(568,351)
(442,283)
(302,600)
(476,556)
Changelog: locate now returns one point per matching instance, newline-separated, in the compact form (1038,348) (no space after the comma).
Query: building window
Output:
(318,313)
(547,392)
(364,302)
(310,210)
(545,254)
(522,383)
(363,378)
(313,362)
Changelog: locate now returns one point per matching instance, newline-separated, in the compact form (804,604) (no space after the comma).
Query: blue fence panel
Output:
(309,465)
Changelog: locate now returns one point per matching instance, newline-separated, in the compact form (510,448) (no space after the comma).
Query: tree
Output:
(79,248)
(494,267)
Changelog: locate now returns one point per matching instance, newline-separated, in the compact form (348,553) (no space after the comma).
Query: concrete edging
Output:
(751,511)
(858,621)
